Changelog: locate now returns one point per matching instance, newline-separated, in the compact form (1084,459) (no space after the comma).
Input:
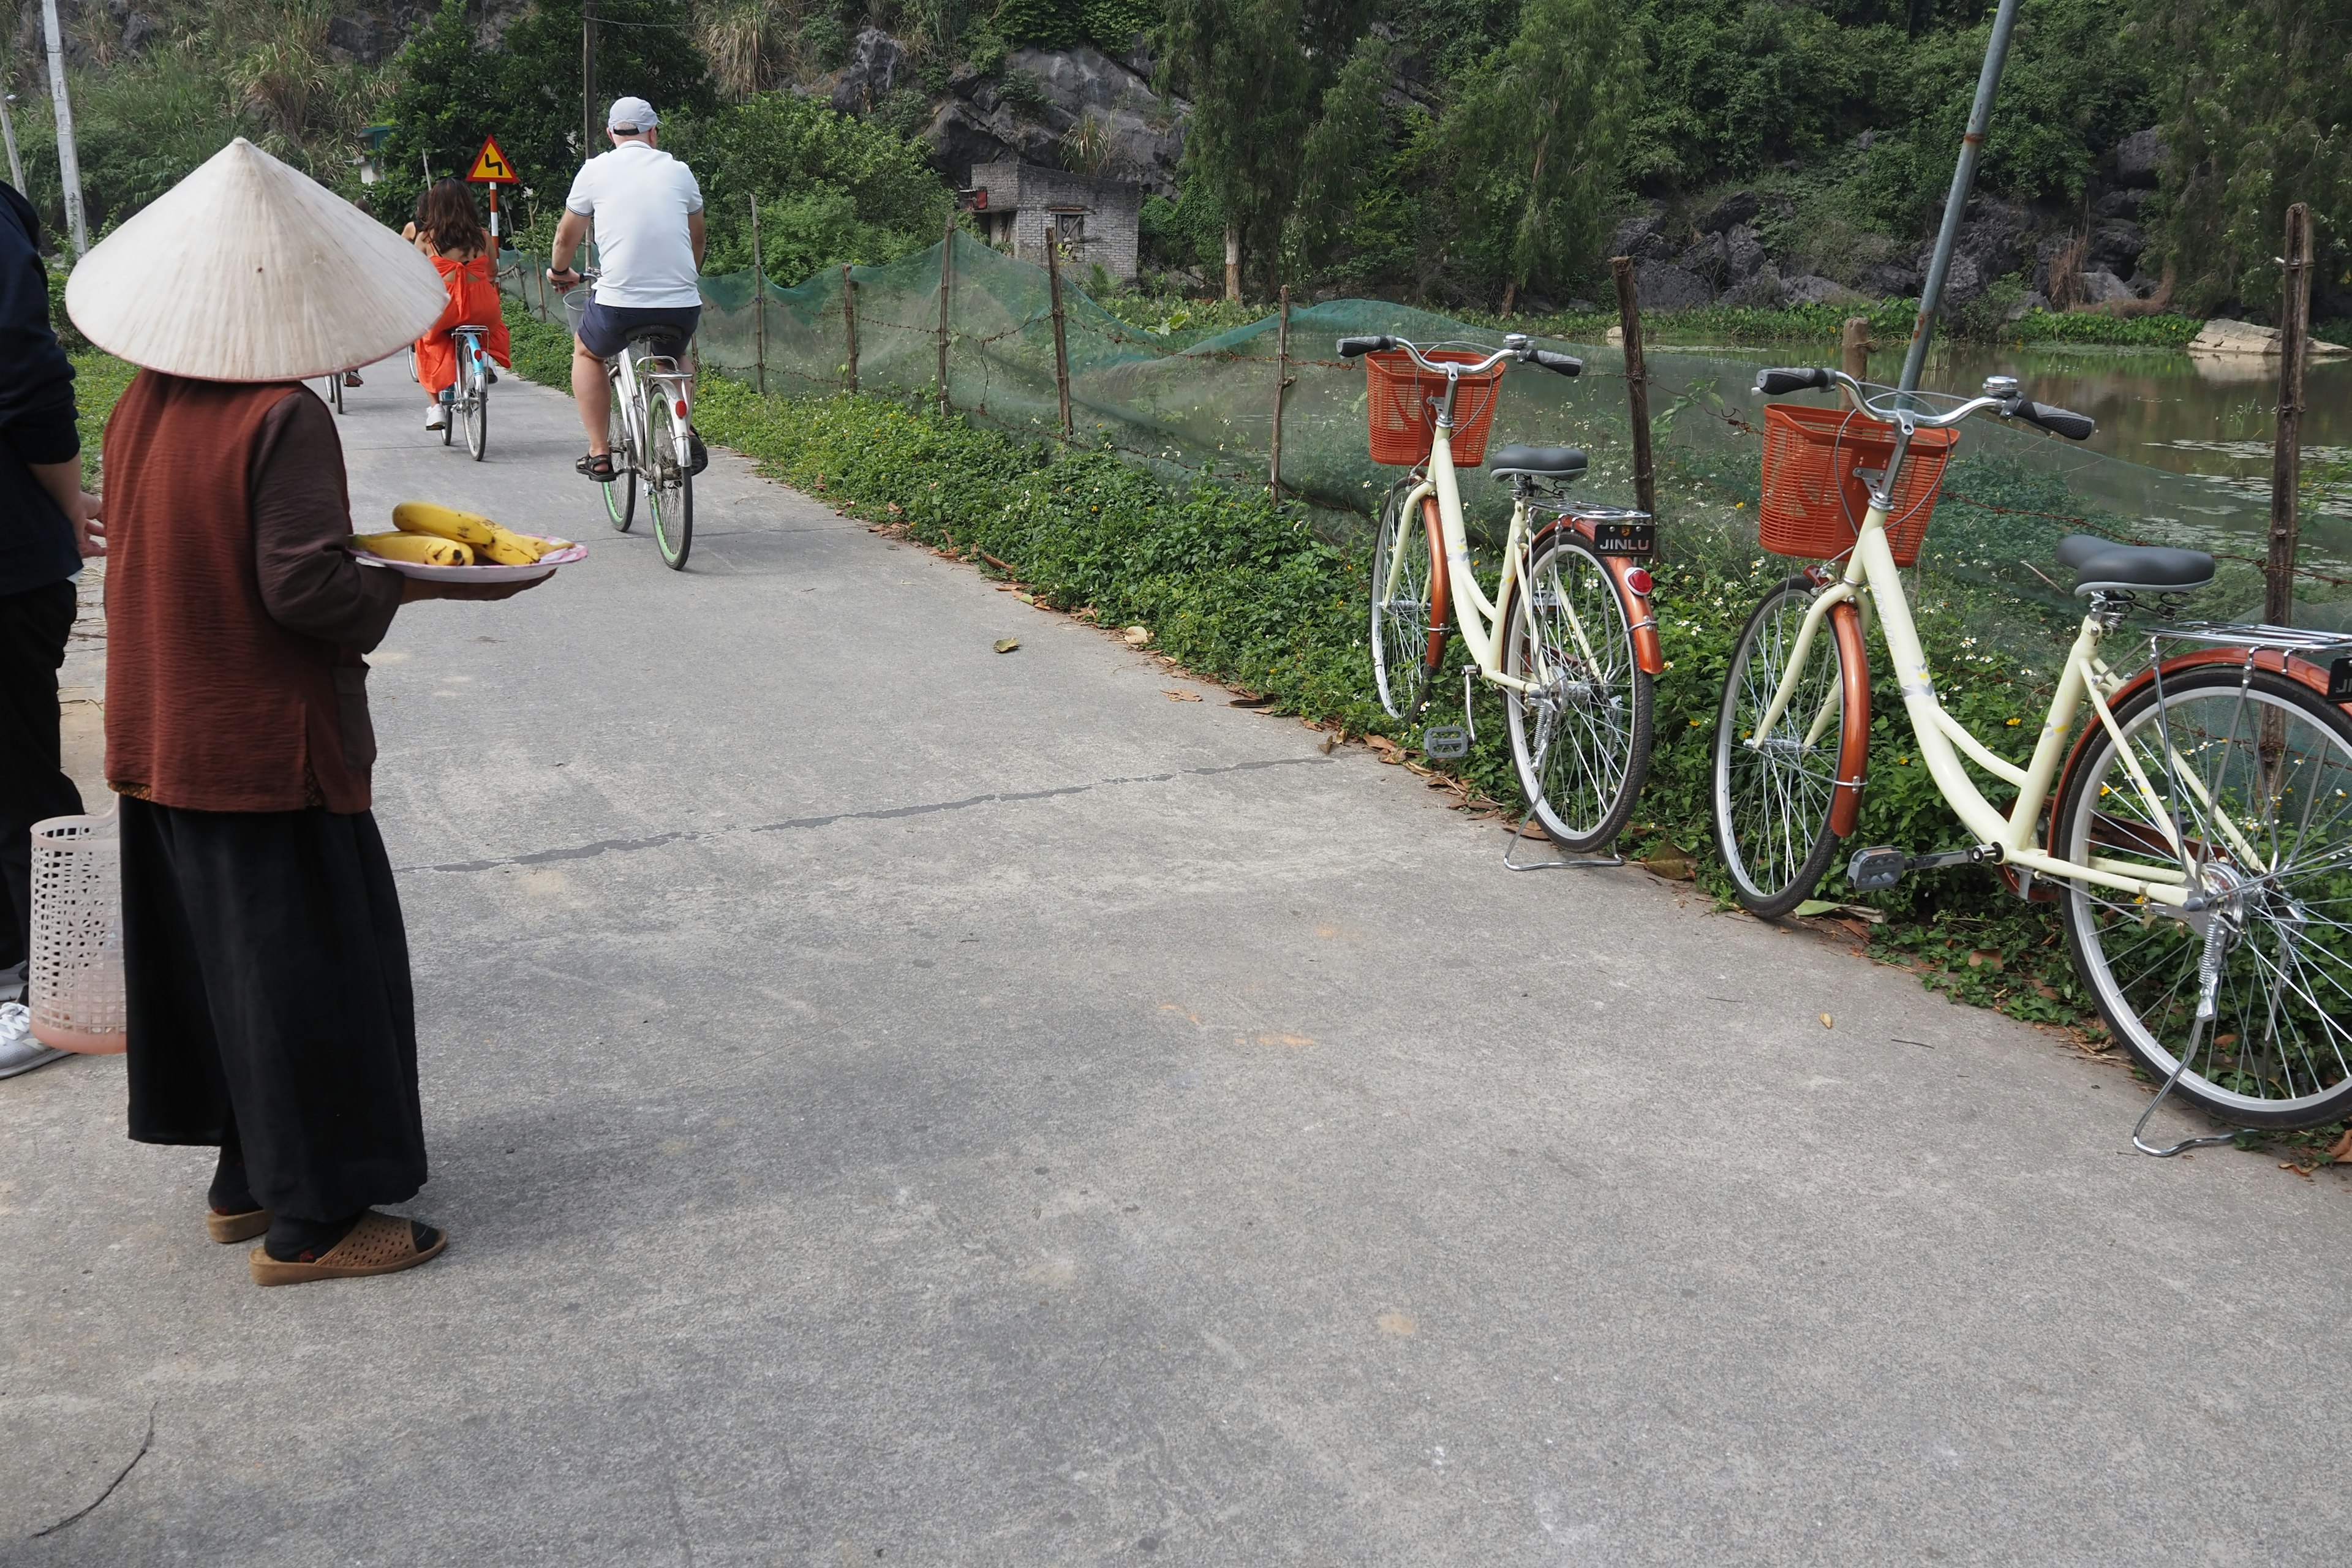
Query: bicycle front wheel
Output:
(1581,736)
(1772,800)
(669,483)
(2258,774)
(478,416)
(621,495)
(1400,607)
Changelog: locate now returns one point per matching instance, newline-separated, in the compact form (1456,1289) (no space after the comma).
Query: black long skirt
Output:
(270,1002)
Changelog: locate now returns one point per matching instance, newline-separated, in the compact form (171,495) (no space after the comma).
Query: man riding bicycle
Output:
(647,215)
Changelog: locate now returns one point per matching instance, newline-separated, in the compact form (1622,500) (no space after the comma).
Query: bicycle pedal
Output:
(1446,741)
(1879,866)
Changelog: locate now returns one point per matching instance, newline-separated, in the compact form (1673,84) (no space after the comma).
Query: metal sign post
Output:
(8,126)
(1956,205)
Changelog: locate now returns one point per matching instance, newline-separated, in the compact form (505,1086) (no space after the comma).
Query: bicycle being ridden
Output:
(1566,637)
(2196,834)
(630,374)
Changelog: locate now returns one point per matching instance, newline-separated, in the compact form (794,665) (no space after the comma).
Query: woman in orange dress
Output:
(451,233)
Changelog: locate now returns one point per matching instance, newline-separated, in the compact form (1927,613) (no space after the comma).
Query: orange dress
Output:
(473,302)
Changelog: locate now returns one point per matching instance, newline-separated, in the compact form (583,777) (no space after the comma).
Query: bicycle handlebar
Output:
(1773,383)
(1514,347)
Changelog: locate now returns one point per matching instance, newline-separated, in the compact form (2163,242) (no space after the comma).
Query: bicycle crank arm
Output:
(1882,866)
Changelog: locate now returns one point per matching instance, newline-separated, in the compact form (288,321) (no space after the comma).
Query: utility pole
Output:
(1955,205)
(8,125)
(587,79)
(68,160)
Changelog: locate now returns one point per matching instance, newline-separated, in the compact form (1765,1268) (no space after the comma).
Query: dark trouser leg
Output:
(270,993)
(33,630)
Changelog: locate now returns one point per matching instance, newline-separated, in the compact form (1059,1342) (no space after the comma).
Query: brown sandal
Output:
(227,1228)
(379,1244)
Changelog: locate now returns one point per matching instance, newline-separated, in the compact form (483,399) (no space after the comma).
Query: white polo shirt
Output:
(640,197)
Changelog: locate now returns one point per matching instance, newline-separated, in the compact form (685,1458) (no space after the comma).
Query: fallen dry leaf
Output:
(1174,695)
(2342,1148)
(1136,637)
(1006,645)
(1326,744)
(1672,862)
(1389,750)
(1825,1022)
(1980,957)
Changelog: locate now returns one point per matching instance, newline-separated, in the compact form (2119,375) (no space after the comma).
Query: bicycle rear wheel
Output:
(477,414)
(669,483)
(1581,738)
(2264,776)
(1401,617)
(621,494)
(1772,803)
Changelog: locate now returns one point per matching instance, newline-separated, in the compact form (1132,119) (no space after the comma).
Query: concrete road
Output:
(894,1102)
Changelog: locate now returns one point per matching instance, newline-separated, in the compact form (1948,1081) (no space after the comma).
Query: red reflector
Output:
(1638,580)
(682,410)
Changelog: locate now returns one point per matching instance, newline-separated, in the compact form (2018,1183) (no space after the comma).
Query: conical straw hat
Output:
(249,270)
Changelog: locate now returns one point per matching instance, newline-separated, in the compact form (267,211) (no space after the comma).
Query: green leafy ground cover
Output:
(1241,590)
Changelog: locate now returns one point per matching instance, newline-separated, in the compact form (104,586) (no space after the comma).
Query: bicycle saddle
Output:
(2102,565)
(479,330)
(1536,462)
(666,341)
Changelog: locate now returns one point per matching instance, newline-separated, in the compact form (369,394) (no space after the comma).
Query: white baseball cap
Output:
(631,114)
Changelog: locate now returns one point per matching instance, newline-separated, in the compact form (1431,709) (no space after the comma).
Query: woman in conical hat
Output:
(270,1012)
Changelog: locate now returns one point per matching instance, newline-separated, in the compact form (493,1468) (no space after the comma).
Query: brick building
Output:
(1095,217)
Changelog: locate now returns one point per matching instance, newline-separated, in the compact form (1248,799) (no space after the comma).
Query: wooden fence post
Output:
(2286,448)
(947,282)
(1281,384)
(1854,351)
(758,303)
(849,321)
(1637,385)
(1061,342)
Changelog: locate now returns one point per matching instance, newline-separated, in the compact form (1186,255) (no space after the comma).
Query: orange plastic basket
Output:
(1814,494)
(1402,407)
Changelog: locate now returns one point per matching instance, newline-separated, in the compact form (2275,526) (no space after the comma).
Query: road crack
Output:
(144,1444)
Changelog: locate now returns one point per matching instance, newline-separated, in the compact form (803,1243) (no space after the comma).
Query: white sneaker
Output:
(19,1052)
(438,419)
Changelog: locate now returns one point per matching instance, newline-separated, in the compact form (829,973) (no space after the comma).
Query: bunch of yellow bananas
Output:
(422,549)
(477,535)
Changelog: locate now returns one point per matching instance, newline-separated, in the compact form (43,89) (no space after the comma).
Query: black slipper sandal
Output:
(698,455)
(597,465)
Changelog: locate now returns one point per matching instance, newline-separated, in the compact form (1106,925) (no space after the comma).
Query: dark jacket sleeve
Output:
(310,584)
(36,410)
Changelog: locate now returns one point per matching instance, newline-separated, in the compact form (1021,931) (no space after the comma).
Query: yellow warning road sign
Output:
(491,166)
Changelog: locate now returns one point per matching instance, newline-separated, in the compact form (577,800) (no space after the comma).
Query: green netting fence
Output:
(1209,410)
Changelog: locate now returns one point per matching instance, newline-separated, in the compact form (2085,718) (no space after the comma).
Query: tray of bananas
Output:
(442,542)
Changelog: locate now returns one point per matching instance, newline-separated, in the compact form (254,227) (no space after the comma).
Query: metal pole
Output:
(68,158)
(1281,384)
(1956,205)
(947,282)
(8,125)
(1061,343)
(587,81)
(1637,384)
(759,302)
(2287,446)
(849,320)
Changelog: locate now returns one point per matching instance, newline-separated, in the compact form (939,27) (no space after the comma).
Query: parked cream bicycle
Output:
(2198,832)
(1566,637)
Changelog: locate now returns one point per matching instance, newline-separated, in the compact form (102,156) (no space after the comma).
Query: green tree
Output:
(1256,71)
(831,188)
(525,90)
(2260,117)
(1538,140)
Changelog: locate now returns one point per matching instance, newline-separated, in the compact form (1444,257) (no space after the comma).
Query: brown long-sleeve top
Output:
(236,618)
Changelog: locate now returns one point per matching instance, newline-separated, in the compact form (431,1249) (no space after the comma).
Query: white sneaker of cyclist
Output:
(19,1051)
(437,416)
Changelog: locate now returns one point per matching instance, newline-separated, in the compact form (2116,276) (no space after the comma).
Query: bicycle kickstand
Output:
(2207,991)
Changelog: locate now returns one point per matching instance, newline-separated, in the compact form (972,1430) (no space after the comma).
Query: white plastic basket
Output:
(77,999)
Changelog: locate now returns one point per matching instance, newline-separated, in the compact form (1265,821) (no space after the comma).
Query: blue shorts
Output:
(604,329)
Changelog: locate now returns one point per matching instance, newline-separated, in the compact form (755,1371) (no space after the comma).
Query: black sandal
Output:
(597,465)
(698,455)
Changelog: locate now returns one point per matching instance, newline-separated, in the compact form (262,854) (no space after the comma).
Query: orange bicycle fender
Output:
(1853,737)
(1649,653)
